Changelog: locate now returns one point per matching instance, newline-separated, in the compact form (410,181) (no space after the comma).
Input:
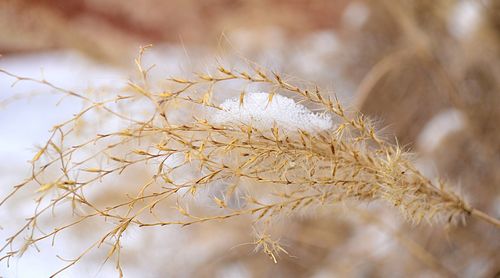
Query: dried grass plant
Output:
(203,169)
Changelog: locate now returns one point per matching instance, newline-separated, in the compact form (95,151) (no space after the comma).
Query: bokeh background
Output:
(428,73)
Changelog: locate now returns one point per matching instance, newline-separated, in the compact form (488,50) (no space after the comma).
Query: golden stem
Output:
(485,217)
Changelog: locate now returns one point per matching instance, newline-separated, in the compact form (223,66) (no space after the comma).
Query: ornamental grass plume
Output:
(262,155)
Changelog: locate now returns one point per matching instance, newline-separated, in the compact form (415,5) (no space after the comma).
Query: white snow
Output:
(438,128)
(465,19)
(355,15)
(263,111)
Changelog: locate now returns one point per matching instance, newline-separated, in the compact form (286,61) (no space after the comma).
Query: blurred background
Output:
(428,73)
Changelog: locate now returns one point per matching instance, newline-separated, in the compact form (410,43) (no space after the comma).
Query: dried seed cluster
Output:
(262,171)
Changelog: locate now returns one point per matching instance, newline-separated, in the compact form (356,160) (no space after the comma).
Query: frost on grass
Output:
(263,111)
